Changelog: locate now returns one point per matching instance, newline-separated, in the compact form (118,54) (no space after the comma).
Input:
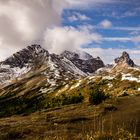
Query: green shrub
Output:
(26,105)
(63,100)
(97,96)
(71,99)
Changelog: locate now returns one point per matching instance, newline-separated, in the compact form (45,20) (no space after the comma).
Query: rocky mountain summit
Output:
(125,59)
(34,57)
(30,56)
(35,60)
(87,65)
(122,65)
(22,62)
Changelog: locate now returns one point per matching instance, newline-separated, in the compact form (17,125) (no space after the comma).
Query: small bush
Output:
(63,100)
(71,99)
(97,96)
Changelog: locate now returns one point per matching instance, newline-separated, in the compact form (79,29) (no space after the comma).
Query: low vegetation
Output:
(97,96)
(121,134)
(63,100)
(29,104)
(81,113)
(108,121)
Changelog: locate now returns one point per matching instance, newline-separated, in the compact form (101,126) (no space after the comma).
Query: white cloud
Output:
(23,22)
(137,61)
(134,33)
(18,18)
(108,55)
(106,24)
(129,14)
(1,41)
(59,39)
(136,39)
(73,18)
(86,27)
(86,3)
(120,39)
(82,17)
(126,28)
(78,17)
(7,50)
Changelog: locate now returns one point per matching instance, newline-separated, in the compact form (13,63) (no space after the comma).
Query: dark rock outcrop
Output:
(86,65)
(31,55)
(125,59)
(34,57)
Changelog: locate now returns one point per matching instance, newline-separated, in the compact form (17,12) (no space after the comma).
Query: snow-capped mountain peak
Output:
(35,57)
(88,65)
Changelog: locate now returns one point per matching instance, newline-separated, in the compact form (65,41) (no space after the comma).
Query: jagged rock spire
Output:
(125,58)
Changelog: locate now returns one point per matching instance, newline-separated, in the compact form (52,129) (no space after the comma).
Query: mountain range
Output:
(68,64)
(64,67)
(33,74)
(34,57)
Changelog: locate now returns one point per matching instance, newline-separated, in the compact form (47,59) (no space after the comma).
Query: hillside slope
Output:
(75,121)
(54,91)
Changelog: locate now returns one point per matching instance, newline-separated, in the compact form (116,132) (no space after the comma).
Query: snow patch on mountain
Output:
(73,67)
(129,77)
(108,77)
(7,73)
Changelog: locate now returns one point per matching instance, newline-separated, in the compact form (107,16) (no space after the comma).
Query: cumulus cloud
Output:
(78,17)
(59,39)
(23,22)
(106,24)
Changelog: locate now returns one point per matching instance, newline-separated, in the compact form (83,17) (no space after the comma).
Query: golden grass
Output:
(77,122)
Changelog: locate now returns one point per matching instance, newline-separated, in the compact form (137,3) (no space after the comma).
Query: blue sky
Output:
(118,22)
(102,28)
(122,16)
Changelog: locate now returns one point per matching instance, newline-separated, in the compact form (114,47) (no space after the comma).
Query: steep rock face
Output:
(89,65)
(76,55)
(85,56)
(124,64)
(125,59)
(32,55)
(34,58)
